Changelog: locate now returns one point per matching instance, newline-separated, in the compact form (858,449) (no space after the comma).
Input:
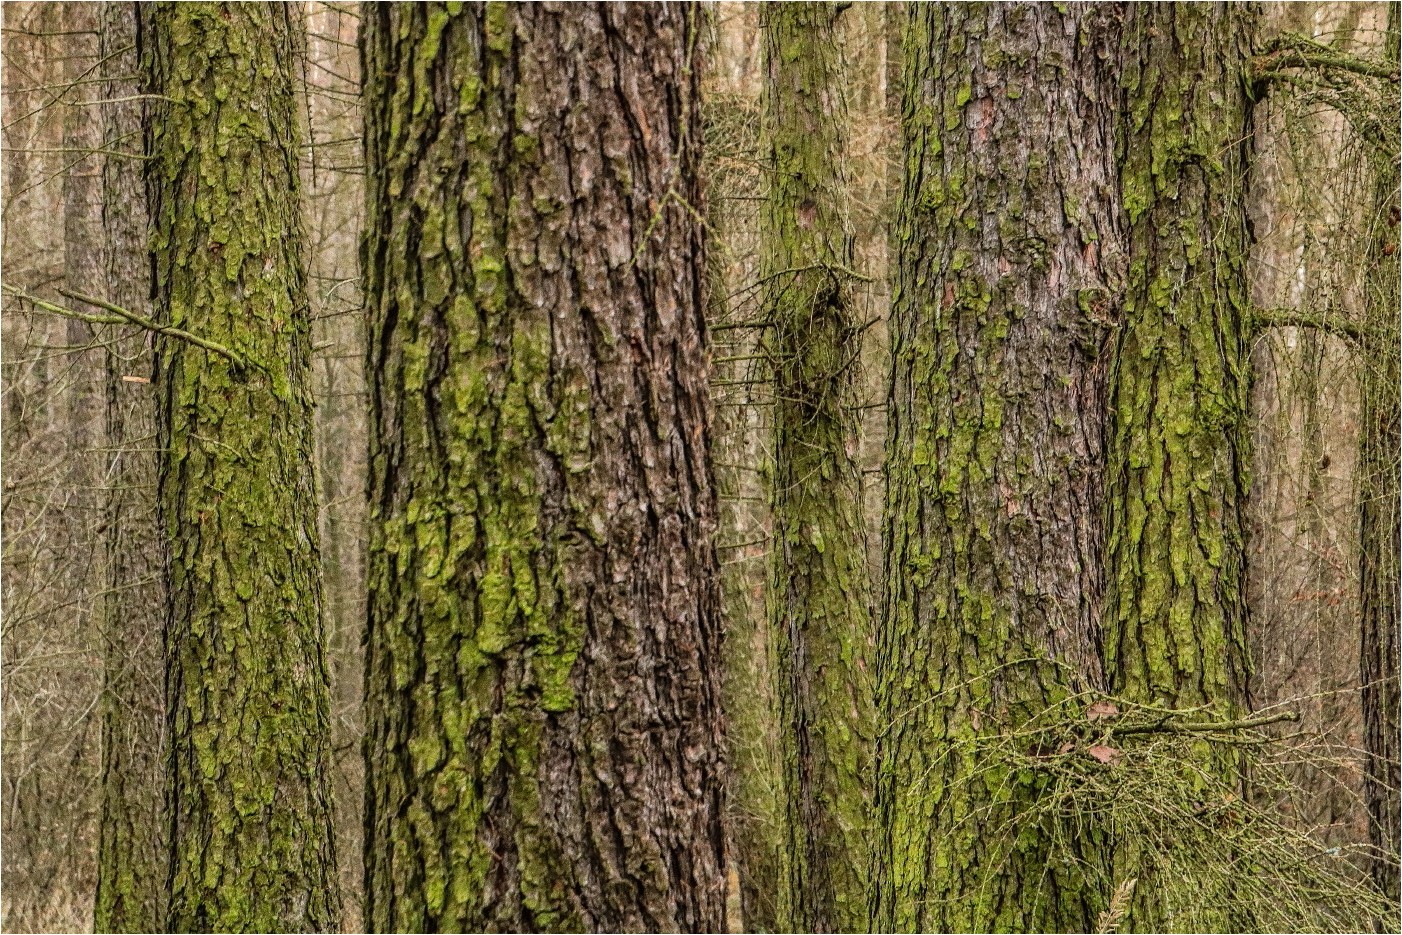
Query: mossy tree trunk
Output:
(133,853)
(820,611)
(249,785)
(1179,388)
(544,746)
(1178,458)
(1009,247)
(1381,521)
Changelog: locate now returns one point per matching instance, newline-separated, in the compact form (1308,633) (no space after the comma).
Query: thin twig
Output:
(1167,725)
(1291,50)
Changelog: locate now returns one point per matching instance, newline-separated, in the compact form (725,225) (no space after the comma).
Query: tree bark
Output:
(1179,395)
(820,611)
(133,853)
(1009,247)
(544,745)
(249,787)
(1381,553)
(1179,389)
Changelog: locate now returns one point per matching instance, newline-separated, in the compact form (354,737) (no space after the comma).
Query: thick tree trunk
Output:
(820,611)
(1179,393)
(1381,521)
(249,797)
(133,854)
(1009,246)
(544,746)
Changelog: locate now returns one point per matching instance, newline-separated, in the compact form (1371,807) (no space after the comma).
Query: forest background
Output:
(1311,196)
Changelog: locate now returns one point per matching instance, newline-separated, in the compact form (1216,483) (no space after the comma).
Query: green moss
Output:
(491,529)
(820,618)
(252,848)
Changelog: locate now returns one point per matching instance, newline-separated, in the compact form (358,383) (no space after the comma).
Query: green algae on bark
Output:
(820,615)
(544,746)
(1178,454)
(250,752)
(1179,389)
(1010,255)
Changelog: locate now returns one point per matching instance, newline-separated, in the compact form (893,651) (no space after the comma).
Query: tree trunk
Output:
(544,746)
(249,796)
(1179,390)
(819,604)
(754,799)
(133,853)
(1381,522)
(1179,394)
(1008,244)
(82,221)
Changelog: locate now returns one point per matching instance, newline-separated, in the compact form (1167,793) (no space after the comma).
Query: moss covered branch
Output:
(1320,321)
(1291,51)
(1168,725)
(122,316)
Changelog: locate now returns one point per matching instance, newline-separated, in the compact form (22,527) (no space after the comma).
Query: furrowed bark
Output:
(133,854)
(1178,458)
(544,742)
(1179,388)
(249,787)
(820,611)
(1009,262)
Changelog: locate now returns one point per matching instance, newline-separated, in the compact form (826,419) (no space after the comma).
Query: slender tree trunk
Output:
(754,801)
(133,854)
(82,222)
(249,796)
(819,602)
(1179,391)
(1008,244)
(754,806)
(1381,551)
(544,746)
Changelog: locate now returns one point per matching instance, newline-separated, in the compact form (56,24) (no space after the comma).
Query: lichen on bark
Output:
(248,704)
(1010,257)
(543,746)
